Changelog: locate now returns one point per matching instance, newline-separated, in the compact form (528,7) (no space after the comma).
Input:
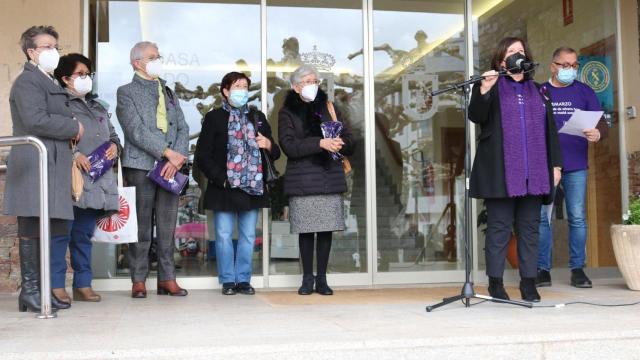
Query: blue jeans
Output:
(574,184)
(235,268)
(80,246)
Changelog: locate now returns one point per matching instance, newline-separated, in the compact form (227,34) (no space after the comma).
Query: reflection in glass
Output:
(197,48)
(322,36)
(419,138)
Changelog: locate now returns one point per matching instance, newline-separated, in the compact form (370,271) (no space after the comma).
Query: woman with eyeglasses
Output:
(517,162)
(74,74)
(314,181)
(39,108)
(231,151)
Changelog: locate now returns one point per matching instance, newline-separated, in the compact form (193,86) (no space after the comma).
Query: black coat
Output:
(211,159)
(310,169)
(487,175)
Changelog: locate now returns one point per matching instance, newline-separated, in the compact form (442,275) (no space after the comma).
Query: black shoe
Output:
(496,289)
(307,285)
(29,299)
(228,289)
(543,279)
(528,290)
(59,304)
(579,279)
(245,288)
(322,287)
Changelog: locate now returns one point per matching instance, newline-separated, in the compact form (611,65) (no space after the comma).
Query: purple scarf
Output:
(525,153)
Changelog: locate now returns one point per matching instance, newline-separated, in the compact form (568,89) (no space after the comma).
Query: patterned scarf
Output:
(244,164)
(525,150)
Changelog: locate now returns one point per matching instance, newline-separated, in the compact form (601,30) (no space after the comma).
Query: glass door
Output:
(419,139)
(199,43)
(328,35)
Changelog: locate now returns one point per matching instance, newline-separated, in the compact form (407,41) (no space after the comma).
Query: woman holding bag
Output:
(315,176)
(232,152)
(74,74)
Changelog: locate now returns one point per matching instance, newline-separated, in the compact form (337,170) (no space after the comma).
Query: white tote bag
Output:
(121,227)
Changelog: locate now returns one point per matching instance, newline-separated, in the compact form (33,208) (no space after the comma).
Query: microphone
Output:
(525,65)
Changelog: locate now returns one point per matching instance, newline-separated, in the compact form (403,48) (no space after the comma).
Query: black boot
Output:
(322,287)
(307,285)
(496,289)
(528,290)
(29,298)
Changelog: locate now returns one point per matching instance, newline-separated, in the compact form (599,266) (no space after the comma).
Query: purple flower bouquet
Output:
(99,162)
(331,130)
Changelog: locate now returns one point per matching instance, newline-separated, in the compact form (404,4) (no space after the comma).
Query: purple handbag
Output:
(174,185)
(99,162)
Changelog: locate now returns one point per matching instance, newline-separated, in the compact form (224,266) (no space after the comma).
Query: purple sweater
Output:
(565,100)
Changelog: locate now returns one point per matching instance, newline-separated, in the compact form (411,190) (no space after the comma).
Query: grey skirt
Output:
(316,213)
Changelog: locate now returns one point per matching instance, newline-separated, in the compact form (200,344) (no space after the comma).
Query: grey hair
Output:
(563,50)
(302,71)
(27,39)
(138,49)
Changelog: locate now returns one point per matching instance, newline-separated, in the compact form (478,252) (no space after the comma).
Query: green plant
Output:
(632,217)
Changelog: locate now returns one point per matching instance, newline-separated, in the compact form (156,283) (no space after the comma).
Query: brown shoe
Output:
(61,294)
(170,287)
(86,294)
(138,290)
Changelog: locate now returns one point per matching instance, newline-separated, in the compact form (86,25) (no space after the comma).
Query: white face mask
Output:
(82,86)
(309,92)
(48,60)
(154,68)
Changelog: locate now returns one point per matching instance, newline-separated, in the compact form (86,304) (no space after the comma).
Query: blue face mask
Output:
(238,98)
(567,76)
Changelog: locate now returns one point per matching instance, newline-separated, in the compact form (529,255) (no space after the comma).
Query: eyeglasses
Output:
(49,47)
(567,65)
(150,59)
(309,82)
(82,75)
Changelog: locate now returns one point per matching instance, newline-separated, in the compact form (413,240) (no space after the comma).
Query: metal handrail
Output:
(45,279)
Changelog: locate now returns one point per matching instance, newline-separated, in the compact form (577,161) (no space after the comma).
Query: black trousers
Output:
(149,196)
(502,215)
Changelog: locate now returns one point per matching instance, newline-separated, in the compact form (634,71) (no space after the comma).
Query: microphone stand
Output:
(468,292)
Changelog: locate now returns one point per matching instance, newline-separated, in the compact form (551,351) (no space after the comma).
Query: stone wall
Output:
(9,264)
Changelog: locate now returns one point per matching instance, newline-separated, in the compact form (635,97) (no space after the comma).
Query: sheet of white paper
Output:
(581,120)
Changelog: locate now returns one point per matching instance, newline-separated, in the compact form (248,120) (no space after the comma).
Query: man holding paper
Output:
(576,111)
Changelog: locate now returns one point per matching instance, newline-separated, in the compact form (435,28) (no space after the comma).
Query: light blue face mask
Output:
(567,76)
(238,98)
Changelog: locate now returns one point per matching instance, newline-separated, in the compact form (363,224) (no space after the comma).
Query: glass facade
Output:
(379,60)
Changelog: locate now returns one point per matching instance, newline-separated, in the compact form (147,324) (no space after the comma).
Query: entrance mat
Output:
(385,296)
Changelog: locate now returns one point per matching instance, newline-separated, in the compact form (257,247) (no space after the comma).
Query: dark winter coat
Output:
(211,158)
(488,174)
(310,169)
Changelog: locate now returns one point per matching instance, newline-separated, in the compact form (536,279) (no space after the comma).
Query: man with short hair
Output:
(154,129)
(568,94)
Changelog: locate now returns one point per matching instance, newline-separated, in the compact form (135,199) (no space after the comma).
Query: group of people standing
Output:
(521,159)
(52,100)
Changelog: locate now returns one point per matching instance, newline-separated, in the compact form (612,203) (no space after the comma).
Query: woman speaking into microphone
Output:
(517,162)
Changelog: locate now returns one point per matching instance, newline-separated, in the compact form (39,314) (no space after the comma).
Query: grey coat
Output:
(103,194)
(136,110)
(39,107)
